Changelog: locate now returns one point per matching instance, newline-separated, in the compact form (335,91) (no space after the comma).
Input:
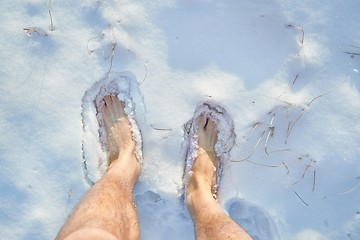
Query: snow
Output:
(287,73)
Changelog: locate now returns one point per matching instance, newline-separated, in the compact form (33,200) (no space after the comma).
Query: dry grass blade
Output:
(291,125)
(254,127)
(51,18)
(353,53)
(253,150)
(351,190)
(270,134)
(113,47)
(88,42)
(317,97)
(284,107)
(30,31)
(314,181)
(287,168)
(146,73)
(280,150)
(161,129)
(267,165)
(302,32)
(302,200)
(296,77)
(303,175)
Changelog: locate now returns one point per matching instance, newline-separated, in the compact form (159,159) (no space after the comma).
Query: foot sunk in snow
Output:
(225,139)
(97,149)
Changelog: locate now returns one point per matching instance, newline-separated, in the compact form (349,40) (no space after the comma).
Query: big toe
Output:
(207,132)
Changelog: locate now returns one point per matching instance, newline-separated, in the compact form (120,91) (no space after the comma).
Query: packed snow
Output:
(287,72)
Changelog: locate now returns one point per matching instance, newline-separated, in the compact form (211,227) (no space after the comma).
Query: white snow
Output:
(286,72)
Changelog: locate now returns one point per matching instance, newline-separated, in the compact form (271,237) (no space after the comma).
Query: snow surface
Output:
(286,71)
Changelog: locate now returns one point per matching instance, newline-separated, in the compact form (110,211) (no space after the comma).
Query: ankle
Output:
(126,167)
(198,189)
(202,174)
(200,200)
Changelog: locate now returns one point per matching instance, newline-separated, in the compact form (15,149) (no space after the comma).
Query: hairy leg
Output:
(210,220)
(107,211)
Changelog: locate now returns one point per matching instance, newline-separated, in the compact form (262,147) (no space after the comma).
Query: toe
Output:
(107,112)
(107,100)
(212,131)
(114,109)
(207,132)
(121,108)
(210,125)
(201,122)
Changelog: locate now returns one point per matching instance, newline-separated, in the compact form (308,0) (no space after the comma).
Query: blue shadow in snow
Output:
(249,38)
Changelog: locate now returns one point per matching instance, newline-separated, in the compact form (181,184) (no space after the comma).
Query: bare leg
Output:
(210,220)
(107,211)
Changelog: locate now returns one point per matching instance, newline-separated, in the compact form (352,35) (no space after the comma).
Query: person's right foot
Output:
(203,173)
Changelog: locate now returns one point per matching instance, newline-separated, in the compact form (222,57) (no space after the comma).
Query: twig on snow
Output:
(51,18)
(113,47)
(253,150)
(271,166)
(353,54)
(302,200)
(160,129)
(270,134)
(30,31)
(296,77)
(351,190)
(292,124)
(302,32)
(87,45)
(317,97)
(314,181)
(303,175)
(146,72)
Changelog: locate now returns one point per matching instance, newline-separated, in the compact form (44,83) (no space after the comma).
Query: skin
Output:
(107,211)
(210,220)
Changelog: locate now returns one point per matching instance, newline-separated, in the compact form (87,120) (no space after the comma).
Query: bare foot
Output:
(121,146)
(207,134)
(203,178)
